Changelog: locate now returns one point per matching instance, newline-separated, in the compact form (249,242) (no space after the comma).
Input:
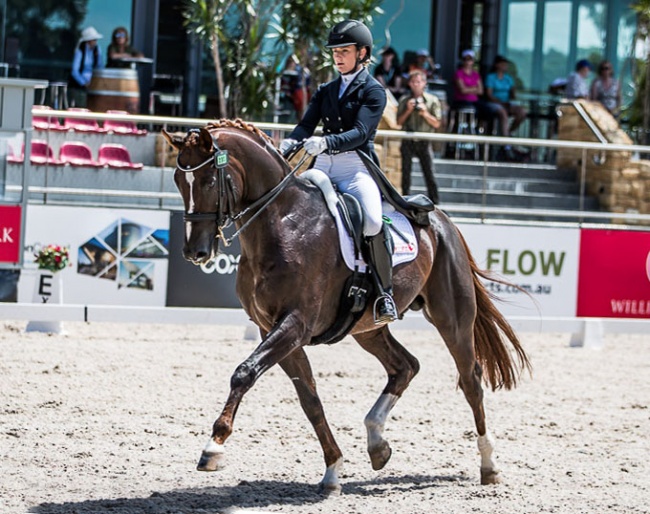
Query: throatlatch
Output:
(380,249)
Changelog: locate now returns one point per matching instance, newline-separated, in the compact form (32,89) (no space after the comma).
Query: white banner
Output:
(542,261)
(118,256)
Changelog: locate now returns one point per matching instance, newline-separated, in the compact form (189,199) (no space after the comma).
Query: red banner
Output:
(9,233)
(614,274)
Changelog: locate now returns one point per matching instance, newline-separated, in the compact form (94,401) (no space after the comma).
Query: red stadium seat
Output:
(117,156)
(45,122)
(122,127)
(82,125)
(77,154)
(12,157)
(42,153)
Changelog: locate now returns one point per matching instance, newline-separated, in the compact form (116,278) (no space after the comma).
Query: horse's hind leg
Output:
(450,305)
(401,367)
(297,367)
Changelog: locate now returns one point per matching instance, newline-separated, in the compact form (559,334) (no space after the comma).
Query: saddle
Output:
(415,207)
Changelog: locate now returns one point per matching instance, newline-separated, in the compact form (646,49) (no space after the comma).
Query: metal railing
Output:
(483,212)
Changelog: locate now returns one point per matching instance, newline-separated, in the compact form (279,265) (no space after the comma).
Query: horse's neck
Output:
(298,204)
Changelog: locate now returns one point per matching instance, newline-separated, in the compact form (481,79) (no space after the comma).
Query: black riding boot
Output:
(379,253)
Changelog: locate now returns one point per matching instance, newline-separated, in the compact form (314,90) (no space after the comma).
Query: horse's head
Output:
(211,176)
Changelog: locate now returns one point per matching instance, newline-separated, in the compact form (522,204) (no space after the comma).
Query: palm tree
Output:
(642,7)
(204,18)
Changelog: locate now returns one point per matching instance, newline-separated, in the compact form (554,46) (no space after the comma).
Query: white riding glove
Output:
(286,144)
(315,145)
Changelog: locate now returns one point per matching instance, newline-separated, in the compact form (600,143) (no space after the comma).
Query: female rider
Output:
(350,108)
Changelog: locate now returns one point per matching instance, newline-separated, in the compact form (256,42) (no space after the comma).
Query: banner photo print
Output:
(117,256)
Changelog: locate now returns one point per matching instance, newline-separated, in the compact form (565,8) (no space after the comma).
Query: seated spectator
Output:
(119,49)
(468,86)
(576,85)
(500,95)
(387,72)
(423,62)
(606,89)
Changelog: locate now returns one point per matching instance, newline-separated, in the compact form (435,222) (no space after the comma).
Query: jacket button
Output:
(326,118)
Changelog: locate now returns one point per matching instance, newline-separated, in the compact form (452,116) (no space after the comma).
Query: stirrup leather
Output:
(384,309)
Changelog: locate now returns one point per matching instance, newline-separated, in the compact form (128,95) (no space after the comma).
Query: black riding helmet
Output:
(351,32)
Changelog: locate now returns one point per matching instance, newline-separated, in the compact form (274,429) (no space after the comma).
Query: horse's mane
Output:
(240,125)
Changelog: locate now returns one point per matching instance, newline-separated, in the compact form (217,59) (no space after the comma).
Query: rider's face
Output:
(345,58)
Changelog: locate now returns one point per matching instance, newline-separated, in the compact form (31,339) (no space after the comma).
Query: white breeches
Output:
(349,174)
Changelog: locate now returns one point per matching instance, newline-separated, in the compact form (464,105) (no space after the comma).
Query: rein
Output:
(224,215)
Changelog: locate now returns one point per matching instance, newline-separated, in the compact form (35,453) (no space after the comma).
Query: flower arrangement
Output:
(52,258)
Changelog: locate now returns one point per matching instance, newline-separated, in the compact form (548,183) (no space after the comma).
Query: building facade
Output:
(543,38)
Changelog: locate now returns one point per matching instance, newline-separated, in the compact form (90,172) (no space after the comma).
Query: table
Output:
(133,61)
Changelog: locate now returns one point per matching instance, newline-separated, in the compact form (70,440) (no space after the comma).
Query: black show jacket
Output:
(349,123)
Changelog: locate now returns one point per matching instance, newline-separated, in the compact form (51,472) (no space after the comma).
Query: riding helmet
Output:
(350,32)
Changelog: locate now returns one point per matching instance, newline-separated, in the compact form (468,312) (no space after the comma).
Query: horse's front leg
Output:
(287,335)
(297,367)
(401,367)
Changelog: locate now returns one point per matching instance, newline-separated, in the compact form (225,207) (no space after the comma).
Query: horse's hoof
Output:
(212,458)
(490,476)
(380,455)
(329,489)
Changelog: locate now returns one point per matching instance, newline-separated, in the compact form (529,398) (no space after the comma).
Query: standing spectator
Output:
(87,57)
(606,89)
(388,74)
(419,111)
(119,49)
(500,95)
(576,85)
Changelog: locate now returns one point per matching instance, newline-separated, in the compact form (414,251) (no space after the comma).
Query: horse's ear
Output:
(173,140)
(205,140)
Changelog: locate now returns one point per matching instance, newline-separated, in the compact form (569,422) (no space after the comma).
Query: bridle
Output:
(225,215)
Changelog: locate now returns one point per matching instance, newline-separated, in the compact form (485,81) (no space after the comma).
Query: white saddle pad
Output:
(406,245)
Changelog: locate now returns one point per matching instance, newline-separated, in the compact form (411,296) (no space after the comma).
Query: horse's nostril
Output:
(201,256)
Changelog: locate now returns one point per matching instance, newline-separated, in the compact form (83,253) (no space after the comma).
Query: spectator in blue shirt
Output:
(576,86)
(500,96)
(87,57)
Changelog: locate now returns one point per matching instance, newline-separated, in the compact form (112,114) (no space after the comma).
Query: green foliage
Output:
(238,33)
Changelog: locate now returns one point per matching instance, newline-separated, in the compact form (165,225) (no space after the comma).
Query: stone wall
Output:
(621,184)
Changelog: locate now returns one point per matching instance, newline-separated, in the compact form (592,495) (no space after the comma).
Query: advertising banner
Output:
(541,261)
(207,286)
(10,233)
(614,278)
(118,256)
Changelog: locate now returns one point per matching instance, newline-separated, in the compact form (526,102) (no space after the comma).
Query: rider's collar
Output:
(347,79)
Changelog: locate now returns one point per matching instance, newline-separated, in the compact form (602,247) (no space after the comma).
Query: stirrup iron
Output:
(384,309)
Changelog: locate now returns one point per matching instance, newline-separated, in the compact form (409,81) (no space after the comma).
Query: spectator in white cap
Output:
(87,57)
(423,62)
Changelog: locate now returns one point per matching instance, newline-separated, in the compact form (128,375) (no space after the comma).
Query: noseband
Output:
(224,215)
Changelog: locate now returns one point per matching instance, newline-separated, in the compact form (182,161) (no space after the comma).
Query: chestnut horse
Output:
(290,280)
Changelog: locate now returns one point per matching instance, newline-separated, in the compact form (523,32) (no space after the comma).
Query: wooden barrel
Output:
(114,89)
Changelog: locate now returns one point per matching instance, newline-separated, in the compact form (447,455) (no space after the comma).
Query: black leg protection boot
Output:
(379,253)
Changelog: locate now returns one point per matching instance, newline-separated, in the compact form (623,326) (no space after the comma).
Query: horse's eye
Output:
(210,183)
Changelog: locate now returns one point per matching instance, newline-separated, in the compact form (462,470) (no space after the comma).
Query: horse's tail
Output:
(492,333)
